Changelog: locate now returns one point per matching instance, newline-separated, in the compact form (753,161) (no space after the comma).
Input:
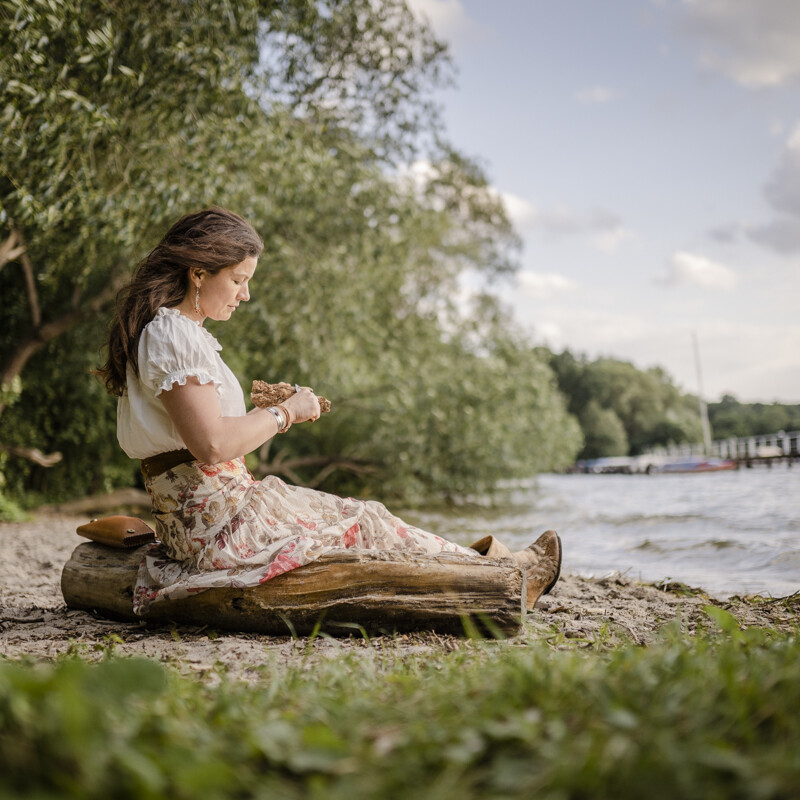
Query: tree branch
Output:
(30,280)
(11,249)
(328,464)
(41,335)
(32,454)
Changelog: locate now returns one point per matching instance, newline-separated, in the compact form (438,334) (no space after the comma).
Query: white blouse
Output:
(172,348)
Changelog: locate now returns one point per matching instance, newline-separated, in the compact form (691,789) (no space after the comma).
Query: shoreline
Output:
(580,612)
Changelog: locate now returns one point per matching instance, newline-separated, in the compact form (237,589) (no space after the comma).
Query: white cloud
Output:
(562,221)
(781,235)
(781,232)
(416,177)
(419,172)
(726,234)
(447,18)
(604,228)
(551,334)
(782,192)
(752,361)
(520,211)
(544,286)
(755,362)
(793,142)
(610,241)
(588,330)
(753,42)
(783,188)
(693,270)
(596,95)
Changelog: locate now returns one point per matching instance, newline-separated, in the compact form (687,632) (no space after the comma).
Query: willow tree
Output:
(117,117)
(432,393)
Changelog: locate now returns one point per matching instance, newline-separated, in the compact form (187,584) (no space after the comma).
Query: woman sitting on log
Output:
(182,412)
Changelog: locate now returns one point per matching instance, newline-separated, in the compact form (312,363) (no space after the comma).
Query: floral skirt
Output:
(219,527)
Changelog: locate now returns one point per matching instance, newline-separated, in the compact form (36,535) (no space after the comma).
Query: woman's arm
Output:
(195,411)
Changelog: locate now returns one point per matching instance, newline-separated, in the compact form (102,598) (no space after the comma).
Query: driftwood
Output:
(340,593)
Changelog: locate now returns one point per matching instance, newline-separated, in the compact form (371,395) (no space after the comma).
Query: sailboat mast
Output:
(704,423)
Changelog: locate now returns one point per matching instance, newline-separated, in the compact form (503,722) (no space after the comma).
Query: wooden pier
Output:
(780,447)
(749,451)
(774,448)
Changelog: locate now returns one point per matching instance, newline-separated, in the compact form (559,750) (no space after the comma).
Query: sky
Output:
(648,152)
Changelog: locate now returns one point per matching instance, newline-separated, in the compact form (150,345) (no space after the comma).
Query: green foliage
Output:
(438,417)
(369,67)
(730,418)
(304,117)
(708,717)
(103,110)
(65,409)
(10,510)
(603,431)
(624,410)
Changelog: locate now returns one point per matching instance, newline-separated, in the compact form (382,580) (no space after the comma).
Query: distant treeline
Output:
(623,410)
(730,418)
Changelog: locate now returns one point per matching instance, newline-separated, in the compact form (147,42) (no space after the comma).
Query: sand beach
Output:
(584,612)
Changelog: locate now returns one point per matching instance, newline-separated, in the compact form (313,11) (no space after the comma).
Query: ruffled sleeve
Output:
(172,348)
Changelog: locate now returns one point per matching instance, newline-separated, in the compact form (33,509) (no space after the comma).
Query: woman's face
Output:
(221,293)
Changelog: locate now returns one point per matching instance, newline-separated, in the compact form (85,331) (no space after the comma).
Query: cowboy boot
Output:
(491,548)
(542,564)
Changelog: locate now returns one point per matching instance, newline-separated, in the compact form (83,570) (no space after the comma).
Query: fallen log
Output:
(340,593)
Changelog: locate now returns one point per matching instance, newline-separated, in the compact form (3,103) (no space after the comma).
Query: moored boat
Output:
(698,464)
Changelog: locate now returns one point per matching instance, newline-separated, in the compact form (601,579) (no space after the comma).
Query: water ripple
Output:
(729,532)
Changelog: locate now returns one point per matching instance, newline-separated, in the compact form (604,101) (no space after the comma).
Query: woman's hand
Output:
(302,405)
(195,411)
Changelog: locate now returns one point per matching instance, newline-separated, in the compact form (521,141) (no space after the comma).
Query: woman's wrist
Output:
(282,417)
(290,418)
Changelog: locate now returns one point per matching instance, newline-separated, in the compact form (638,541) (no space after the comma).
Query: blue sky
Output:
(649,154)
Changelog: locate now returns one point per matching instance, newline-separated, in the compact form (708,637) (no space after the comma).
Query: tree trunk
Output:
(342,593)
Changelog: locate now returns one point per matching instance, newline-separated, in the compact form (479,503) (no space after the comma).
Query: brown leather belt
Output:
(155,465)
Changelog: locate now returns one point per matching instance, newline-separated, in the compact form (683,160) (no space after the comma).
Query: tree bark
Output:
(340,593)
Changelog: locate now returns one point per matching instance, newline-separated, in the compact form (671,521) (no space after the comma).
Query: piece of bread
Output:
(265,394)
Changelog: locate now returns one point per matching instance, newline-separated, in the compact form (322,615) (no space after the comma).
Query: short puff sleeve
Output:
(172,348)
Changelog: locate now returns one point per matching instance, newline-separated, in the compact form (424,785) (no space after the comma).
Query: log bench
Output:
(341,593)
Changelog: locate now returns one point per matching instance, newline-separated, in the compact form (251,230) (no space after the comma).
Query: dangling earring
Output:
(197,299)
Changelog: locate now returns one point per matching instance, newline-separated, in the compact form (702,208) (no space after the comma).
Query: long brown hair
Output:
(211,240)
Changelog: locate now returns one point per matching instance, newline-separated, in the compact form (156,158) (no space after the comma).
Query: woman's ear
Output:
(196,276)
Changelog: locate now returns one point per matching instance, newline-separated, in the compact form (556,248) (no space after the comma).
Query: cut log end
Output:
(340,593)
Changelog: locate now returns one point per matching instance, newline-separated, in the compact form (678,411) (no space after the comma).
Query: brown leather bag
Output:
(118,531)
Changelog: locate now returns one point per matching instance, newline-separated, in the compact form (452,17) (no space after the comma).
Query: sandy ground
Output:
(35,622)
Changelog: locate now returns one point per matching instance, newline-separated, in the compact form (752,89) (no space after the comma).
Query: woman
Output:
(182,412)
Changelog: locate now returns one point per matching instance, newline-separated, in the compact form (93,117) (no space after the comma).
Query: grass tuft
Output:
(710,716)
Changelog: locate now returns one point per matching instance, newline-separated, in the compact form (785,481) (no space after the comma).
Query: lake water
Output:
(734,532)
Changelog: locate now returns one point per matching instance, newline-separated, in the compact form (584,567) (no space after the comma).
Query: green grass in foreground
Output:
(712,716)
